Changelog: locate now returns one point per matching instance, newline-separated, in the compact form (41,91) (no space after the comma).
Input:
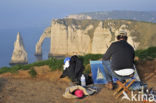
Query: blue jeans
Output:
(110,75)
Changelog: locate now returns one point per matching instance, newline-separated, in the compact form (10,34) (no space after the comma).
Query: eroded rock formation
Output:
(79,37)
(19,55)
(71,39)
(46,34)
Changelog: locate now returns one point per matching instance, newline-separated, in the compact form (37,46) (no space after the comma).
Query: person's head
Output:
(122,36)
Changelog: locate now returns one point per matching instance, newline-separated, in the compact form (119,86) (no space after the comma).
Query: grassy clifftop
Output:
(54,64)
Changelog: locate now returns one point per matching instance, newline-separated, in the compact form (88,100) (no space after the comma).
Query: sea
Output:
(30,37)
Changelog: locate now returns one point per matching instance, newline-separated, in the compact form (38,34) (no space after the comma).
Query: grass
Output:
(52,63)
(89,57)
(57,64)
(13,69)
(147,54)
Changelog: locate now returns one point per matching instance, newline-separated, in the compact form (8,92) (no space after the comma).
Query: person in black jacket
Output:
(121,55)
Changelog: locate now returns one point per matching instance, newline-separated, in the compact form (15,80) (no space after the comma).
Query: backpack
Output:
(75,70)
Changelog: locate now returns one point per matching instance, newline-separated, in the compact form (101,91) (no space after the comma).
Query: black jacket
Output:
(75,70)
(121,54)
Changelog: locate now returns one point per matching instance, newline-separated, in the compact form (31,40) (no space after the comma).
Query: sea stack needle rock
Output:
(19,55)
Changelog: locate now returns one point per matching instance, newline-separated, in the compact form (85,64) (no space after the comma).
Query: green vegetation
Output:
(87,69)
(57,64)
(147,54)
(88,57)
(13,69)
(53,63)
(32,72)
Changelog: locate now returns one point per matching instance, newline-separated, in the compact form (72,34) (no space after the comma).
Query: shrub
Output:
(32,72)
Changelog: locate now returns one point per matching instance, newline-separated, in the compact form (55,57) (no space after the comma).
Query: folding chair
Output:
(124,87)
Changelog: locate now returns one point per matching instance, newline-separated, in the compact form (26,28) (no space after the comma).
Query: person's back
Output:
(122,55)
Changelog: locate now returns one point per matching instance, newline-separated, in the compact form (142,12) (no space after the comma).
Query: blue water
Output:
(30,37)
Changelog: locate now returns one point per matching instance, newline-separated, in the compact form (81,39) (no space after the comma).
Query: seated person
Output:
(121,54)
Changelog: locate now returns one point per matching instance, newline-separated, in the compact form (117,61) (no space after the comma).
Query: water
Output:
(30,37)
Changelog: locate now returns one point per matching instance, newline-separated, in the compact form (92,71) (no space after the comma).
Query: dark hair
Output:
(121,37)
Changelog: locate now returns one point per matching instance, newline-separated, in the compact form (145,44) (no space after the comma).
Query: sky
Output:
(31,17)
(39,13)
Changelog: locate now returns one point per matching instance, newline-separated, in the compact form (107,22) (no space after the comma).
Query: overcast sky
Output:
(39,13)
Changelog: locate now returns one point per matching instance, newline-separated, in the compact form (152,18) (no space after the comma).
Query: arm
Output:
(108,53)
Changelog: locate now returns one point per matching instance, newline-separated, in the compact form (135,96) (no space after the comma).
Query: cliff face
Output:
(95,37)
(66,40)
(70,37)
(79,16)
(19,55)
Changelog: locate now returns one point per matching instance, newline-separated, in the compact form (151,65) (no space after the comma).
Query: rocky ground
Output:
(48,88)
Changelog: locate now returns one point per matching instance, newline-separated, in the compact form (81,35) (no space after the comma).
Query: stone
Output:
(19,55)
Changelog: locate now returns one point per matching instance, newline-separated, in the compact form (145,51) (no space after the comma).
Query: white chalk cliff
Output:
(79,37)
(19,55)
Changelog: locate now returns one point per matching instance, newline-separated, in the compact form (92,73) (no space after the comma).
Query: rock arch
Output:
(46,34)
